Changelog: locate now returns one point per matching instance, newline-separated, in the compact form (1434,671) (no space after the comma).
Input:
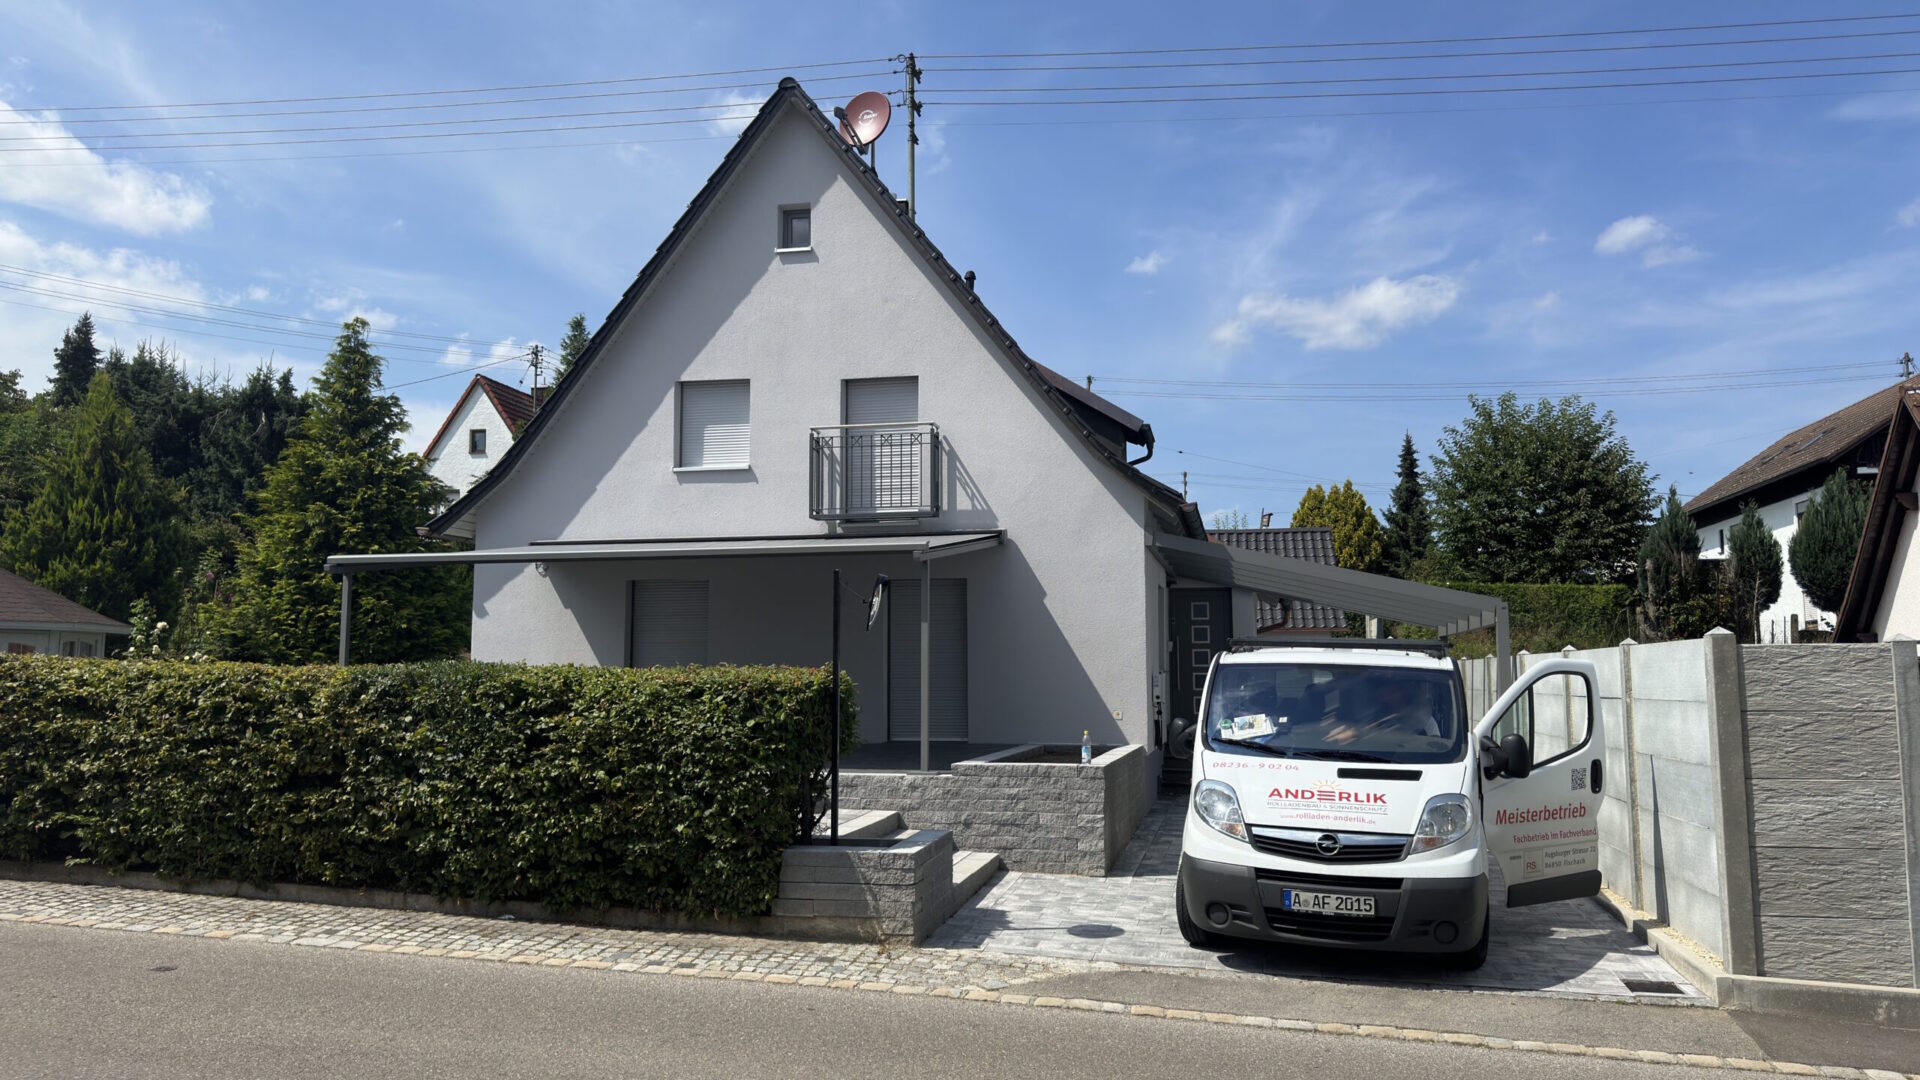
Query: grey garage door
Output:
(947,701)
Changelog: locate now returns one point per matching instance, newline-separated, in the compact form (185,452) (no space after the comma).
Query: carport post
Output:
(346,614)
(1502,652)
(926,659)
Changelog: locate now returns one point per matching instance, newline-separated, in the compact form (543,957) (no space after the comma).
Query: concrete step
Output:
(864,825)
(971,871)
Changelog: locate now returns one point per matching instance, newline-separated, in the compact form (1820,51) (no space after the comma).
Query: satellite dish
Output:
(864,118)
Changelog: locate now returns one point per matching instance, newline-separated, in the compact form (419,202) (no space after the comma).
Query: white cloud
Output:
(1542,237)
(1546,300)
(352,304)
(1359,318)
(733,120)
(1909,215)
(1653,238)
(62,175)
(1149,263)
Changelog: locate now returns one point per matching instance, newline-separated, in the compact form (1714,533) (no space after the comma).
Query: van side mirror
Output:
(1518,755)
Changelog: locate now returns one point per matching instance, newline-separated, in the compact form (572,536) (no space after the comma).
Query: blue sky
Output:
(1425,243)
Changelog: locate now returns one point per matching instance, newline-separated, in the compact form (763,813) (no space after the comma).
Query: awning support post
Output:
(926,664)
(833,794)
(346,615)
(1502,652)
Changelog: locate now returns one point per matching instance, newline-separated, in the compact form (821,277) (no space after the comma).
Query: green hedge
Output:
(1547,618)
(672,790)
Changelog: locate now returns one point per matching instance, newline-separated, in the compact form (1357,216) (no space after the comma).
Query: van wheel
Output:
(1196,935)
(1472,959)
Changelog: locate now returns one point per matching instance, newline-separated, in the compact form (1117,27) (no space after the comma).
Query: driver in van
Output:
(1401,714)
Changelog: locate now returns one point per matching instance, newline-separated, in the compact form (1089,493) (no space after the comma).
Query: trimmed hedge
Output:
(672,790)
(1546,618)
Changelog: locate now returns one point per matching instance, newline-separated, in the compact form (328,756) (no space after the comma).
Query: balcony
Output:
(875,472)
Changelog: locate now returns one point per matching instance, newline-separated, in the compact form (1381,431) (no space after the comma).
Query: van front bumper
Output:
(1418,915)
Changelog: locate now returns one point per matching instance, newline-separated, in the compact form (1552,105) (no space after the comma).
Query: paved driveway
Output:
(1570,947)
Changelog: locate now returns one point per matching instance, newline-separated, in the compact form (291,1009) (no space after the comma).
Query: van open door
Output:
(1541,754)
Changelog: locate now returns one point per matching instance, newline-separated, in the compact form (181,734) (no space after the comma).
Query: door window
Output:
(883,444)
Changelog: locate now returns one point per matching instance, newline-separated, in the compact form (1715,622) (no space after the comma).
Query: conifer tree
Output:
(1822,550)
(74,363)
(104,530)
(1753,556)
(342,485)
(572,345)
(1356,533)
(1409,524)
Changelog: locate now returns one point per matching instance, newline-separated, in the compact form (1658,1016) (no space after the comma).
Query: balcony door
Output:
(882,447)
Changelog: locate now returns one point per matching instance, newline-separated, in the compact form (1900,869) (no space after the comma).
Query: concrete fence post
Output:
(1732,804)
(1634,833)
(1906,708)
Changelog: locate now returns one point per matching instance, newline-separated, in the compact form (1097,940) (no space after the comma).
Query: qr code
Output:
(1579,778)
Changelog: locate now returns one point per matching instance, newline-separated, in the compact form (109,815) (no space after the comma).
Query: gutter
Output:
(1146,436)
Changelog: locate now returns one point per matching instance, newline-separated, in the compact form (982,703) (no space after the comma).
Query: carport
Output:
(1447,611)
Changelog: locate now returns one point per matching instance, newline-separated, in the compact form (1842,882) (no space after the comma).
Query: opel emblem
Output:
(1328,845)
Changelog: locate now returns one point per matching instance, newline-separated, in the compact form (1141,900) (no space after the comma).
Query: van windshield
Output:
(1343,712)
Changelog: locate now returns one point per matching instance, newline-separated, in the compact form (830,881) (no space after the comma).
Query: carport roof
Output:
(1448,611)
(922,546)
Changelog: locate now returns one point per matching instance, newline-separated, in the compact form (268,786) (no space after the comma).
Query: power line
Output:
(1453,76)
(371,154)
(175,299)
(1475,54)
(71,121)
(1499,385)
(1425,41)
(1638,84)
(387,138)
(374,96)
(1398,394)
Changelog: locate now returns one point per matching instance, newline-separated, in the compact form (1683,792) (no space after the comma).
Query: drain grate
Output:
(1651,986)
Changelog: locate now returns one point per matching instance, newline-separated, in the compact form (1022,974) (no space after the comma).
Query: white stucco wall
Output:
(1780,518)
(1899,610)
(1058,638)
(450,462)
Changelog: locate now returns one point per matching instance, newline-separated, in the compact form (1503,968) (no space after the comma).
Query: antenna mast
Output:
(913,136)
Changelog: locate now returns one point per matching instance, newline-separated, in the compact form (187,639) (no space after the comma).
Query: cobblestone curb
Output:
(921,972)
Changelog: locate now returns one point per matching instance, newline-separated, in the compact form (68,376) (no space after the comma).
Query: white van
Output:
(1342,796)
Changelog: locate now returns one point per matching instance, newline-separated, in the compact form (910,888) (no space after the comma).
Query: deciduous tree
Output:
(1356,533)
(1545,493)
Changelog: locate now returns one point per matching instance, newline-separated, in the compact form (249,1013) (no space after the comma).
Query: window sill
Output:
(793,251)
(712,468)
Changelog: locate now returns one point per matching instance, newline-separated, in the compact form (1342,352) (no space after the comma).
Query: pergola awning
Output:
(922,546)
(1448,611)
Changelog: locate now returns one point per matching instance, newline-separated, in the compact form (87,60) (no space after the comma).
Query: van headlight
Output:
(1446,819)
(1219,807)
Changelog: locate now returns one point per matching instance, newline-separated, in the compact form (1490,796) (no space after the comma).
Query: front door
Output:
(947,696)
(1544,828)
(1202,622)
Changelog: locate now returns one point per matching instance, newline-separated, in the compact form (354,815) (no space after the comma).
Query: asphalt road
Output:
(86,1003)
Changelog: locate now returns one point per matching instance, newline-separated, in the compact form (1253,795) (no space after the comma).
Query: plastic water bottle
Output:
(1086,748)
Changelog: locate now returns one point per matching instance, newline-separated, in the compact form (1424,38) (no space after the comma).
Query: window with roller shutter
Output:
(714,432)
(669,624)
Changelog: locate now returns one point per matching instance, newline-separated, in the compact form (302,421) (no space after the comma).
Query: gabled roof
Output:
(24,605)
(514,405)
(1822,444)
(1312,544)
(1892,501)
(1053,388)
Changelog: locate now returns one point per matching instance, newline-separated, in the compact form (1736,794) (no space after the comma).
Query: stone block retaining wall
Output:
(867,889)
(1041,816)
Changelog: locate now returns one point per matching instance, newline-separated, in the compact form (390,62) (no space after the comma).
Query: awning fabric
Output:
(1448,611)
(922,547)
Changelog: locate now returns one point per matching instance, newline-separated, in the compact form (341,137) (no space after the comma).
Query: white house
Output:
(1782,479)
(1883,595)
(798,381)
(476,434)
(38,620)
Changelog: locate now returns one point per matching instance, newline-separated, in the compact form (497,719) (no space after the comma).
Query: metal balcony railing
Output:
(875,472)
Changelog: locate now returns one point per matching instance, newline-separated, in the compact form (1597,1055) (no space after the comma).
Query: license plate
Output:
(1325,903)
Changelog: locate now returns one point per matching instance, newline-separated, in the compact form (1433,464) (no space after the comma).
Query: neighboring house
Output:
(37,620)
(1782,479)
(1883,596)
(484,422)
(799,382)
(1274,616)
